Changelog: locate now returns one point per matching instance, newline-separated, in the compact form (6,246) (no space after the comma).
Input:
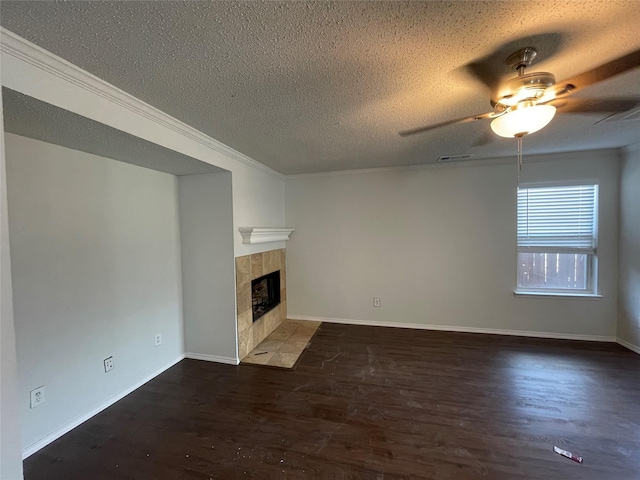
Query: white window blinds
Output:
(558,219)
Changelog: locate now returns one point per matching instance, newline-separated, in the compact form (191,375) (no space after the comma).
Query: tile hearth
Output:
(284,346)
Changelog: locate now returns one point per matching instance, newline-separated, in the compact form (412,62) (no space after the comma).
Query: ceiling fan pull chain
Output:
(519,137)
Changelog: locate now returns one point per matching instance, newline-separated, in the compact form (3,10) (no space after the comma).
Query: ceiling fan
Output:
(527,102)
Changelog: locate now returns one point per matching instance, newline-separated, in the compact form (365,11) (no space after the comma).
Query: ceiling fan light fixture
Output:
(523,121)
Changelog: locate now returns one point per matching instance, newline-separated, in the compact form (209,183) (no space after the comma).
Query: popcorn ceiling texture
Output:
(321,86)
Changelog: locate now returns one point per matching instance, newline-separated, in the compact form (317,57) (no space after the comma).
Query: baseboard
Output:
(454,328)
(34,447)
(630,346)
(212,358)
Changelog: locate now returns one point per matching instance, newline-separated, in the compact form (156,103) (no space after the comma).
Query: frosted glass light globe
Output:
(523,121)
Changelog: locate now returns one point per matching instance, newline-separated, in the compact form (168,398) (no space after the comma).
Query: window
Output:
(557,239)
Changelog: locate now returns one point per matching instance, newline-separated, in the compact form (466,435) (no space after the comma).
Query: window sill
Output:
(584,296)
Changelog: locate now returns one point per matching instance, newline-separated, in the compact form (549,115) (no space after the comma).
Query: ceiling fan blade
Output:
(604,71)
(595,105)
(481,116)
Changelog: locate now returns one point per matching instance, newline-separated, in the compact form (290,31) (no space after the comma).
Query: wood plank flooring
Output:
(373,403)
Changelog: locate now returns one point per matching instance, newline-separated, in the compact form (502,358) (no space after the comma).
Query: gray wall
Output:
(95,254)
(208,270)
(10,444)
(438,246)
(629,292)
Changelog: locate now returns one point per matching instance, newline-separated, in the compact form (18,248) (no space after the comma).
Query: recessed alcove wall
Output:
(248,268)
(206,236)
(248,192)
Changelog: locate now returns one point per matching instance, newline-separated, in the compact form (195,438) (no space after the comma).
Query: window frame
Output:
(591,272)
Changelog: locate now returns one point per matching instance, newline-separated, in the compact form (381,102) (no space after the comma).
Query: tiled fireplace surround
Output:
(249,268)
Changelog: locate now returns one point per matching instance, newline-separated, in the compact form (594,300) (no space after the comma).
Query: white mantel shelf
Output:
(251,235)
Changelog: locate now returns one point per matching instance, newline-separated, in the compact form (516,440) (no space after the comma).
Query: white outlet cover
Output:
(158,339)
(108,364)
(37,397)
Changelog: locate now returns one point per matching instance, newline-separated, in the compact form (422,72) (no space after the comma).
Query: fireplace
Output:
(254,267)
(265,294)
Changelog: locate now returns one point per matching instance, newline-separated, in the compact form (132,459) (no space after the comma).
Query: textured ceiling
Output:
(32,118)
(321,86)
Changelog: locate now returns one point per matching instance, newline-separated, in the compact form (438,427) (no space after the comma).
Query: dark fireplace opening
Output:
(265,294)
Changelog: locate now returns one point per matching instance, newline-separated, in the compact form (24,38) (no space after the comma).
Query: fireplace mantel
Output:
(253,235)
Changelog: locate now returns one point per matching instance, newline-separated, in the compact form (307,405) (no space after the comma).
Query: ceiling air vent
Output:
(454,158)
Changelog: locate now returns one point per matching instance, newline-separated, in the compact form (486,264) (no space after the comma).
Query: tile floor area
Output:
(285,344)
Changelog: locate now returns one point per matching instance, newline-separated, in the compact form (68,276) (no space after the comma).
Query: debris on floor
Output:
(284,346)
(570,455)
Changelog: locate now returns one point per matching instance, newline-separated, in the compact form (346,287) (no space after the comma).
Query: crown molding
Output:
(631,149)
(478,162)
(18,47)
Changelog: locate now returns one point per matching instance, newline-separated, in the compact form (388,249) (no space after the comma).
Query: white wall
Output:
(208,270)
(438,246)
(10,444)
(95,254)
(629,291)
(258,192)
(258,201)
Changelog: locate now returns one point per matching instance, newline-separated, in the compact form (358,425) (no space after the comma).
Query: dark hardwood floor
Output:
(373,403)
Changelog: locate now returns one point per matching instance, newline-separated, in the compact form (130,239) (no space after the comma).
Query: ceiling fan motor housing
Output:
(529,87)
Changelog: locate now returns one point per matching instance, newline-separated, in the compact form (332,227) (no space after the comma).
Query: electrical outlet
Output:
(37,397)
(158,339)
(108,364)
(376,301)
